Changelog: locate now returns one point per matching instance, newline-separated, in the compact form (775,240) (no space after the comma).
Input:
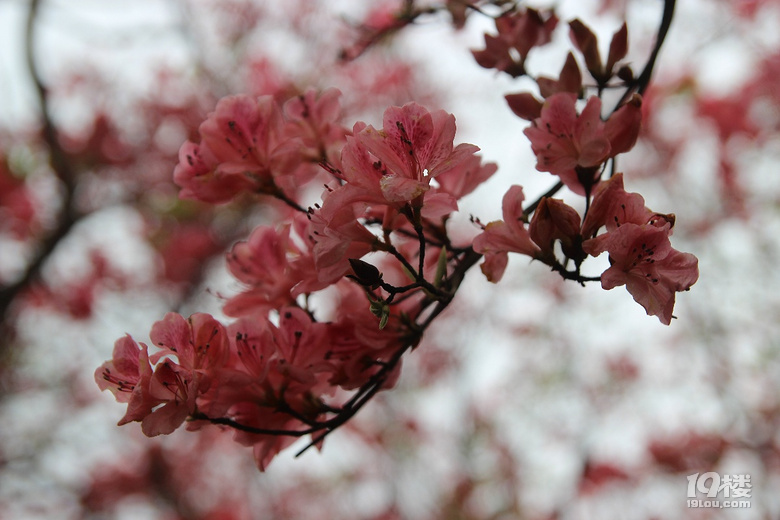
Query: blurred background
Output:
(533,398)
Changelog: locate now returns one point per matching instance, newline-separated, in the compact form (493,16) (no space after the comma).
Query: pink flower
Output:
(285,363)
(518,33)
(127,376)
(387,175)
(302,347)
(252,341)
(244,377)
(568,145)
(338,236)
(395,165)
(280,376)
(643,260)
(243,148)
(574,146)
(201,347)
(640,253)
(315,120)
(263,263)
(199,342)
(177,389)
(503,236)
(613,206)
(357,343)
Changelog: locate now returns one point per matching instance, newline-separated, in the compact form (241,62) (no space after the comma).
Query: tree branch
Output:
(60,165)
(640,84)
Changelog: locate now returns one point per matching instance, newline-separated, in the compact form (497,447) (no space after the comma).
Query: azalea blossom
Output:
(574,146)
(387,175)
(127,376)
(314,119)
(413,147)
(161,400)
(613,206)
(275,265)
(518,33)
(393,167)
(198,342)
(243,148)
(643,260)
(503,236)
(356,341)
(337,237)
(641,255)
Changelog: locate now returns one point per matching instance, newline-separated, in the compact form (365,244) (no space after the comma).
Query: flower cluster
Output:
(576,146)
(286,368)
(636,238)
(256,146)
(261,377)
(376,251)
(640,253)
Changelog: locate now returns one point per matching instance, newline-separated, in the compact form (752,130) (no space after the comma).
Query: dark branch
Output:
(640,84)
(532,207)
(60,165)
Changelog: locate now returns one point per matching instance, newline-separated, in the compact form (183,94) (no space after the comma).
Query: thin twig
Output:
(532,207)
(640,84)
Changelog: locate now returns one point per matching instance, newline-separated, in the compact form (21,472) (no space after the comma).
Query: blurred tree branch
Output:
(61,167)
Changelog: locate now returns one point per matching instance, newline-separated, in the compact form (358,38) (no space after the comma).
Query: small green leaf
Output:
(381,310)
(376,307)
(383,318)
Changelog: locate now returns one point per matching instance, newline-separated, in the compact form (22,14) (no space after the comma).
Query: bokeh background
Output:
(533,398)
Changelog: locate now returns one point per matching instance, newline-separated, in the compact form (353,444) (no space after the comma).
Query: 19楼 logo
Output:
(712,485)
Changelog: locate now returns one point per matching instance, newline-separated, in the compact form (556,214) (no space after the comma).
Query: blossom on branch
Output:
(243,148)
(275,266)
(643,260)
(335,294)
(163,399)
(504,236)
(315,120)
(518,32)
(575,146)
(268,381)
(413,147)
(199,345)
(387,178)
(253,145)
(338,236)
(128,376)
(613,206)
(640,253)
